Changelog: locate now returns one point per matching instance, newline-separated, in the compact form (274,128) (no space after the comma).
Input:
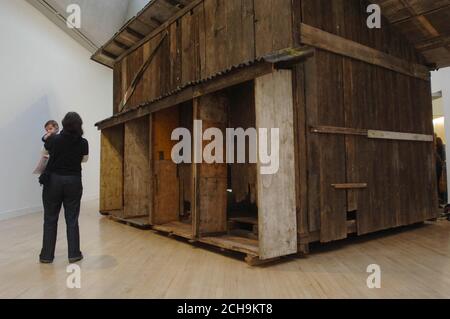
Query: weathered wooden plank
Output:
(331,147)
(276,193)
(313,149)
(134,93)
(175,36)
(211,179)
(165,174)
(301,157)
(166,193)
(373,134)
(273,25)
(240,41)
(137,168)
(338,130)
(117,87)
(330,42)
(188,44)
(111,169)
(350,186)
(385,135)
(216,35)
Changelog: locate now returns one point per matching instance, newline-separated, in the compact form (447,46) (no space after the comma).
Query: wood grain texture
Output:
(137,171)
(273,25)
(111,169)
(327,41)
(166,189)
(211,179)
(301,151)
(276,193)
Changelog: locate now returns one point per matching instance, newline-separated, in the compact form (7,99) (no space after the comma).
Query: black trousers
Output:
(61,191)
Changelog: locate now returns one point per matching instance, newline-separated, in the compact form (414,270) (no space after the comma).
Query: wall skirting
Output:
(35,209)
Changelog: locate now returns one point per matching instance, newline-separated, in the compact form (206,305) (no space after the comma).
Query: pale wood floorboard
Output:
(124,262)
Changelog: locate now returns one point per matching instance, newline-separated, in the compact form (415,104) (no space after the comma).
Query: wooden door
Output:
(166,193)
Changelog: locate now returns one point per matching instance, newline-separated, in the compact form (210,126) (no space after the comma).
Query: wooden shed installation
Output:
(353,106)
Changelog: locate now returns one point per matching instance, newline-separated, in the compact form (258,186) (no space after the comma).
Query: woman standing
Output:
(64,187)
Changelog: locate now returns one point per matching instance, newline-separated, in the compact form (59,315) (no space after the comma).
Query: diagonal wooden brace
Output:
(131,89)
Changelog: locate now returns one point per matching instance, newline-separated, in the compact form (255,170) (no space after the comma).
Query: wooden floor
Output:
(124,262)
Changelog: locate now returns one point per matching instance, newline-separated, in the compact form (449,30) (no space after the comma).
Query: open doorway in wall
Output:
(242,207)
(439,122)
(171,209)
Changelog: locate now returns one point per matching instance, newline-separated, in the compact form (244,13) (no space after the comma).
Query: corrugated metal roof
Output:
(187,85)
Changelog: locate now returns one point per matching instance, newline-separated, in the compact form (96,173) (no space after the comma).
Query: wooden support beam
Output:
(423,21)
(130,91)
(290,55)
(413,15)
(338,130)
(121,45)
(336,44)
(385,135)
(373,134)
(350,186)
(109,55)
(135,33)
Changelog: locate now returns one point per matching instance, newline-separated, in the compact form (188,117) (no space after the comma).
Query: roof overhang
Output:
(149,21)
(425,23)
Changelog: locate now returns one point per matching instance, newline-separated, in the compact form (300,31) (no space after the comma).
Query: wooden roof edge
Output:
(418,14)
(424,24)
(148,6)
(111,40)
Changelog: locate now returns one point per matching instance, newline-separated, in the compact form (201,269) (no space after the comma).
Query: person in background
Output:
(64,187)
(440,170)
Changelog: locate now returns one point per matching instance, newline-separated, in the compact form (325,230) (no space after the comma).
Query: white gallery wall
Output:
(134,6)
(440,81)
(44,74)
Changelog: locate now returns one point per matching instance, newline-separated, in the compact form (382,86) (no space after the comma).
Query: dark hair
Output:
(73,124)
(52,123)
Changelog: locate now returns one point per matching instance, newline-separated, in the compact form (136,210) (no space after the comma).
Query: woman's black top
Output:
(66,153)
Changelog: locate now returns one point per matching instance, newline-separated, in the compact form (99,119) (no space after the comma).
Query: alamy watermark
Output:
(73,280)
(263,146)
(73,20)
(374,279)
(374,19)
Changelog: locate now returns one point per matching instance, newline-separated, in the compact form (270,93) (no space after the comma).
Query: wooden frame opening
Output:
(172,183)
(137,192)
(226,201)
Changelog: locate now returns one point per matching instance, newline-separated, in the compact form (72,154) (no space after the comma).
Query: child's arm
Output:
(46,137)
